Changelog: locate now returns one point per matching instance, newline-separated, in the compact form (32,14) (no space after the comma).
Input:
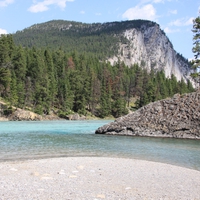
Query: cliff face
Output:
(150,48)
(177,117)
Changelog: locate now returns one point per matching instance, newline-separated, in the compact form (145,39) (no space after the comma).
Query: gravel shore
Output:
(91,178)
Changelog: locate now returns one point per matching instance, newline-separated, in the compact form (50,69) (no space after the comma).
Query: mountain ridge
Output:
(135,41)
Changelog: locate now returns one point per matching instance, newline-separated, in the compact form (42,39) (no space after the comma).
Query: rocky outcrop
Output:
(24,115)
(177,117)
(8,113)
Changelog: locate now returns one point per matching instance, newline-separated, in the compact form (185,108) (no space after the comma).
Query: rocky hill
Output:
(150,47)
(136,41)
(177,117)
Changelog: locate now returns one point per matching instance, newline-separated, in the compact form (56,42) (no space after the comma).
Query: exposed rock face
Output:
(151,49)
(177,117)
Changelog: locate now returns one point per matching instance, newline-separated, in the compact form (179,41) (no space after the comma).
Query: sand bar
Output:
(91,178)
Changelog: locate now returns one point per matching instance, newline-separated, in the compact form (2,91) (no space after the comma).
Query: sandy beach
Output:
(91,178)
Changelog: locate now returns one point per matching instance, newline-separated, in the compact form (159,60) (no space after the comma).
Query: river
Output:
(47,139)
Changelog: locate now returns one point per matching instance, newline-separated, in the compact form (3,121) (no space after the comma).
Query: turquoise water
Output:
(44,139)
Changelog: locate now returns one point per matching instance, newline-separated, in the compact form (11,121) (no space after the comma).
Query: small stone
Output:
(62,172)
(101,196)
(72,176)
(13,169)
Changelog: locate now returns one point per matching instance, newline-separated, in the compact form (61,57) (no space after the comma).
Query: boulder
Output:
(75,116)
(177,117)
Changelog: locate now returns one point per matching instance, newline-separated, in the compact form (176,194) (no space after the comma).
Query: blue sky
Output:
(174,16)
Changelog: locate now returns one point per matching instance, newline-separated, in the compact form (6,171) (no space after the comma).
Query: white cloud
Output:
(6,3)
(153,1)
(3,31)
(182,22)
(39,7)
(44,5)
(141,12)
(162,1)
(98,14)
(169,30)
(158,1)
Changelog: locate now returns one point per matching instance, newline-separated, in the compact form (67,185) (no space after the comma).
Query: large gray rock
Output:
(177,117)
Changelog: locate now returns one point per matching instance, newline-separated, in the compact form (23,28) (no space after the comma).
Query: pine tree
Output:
(174,84)
(28,99)
(119,103)
(137,91)
(95,93)
(39,78)
(6,49)
(19,64)
(162,84)
(183,87)
(196,49)
(105,100)
(52,84)
(190,87)
(13,96)
(5,80)
(60,76)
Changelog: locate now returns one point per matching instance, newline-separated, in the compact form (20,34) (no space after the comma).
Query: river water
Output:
(47,139)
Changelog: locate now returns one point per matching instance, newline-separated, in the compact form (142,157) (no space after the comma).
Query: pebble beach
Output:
(96,178)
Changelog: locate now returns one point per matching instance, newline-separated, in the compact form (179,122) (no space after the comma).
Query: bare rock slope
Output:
(177,117)
(151,49)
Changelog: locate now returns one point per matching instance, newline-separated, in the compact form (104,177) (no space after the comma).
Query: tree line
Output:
(45,80)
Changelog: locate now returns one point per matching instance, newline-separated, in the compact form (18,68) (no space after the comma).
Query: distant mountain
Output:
(136,41)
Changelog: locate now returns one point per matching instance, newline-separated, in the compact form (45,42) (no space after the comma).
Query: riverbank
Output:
(8,113)
(78,178)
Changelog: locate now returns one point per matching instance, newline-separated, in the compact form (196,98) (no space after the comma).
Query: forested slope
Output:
(139,42)
(42,80)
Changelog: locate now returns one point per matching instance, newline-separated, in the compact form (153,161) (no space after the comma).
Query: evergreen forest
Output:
(45,80)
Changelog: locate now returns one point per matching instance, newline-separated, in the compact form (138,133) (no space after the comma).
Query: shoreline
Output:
(31,159)
(96,178)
